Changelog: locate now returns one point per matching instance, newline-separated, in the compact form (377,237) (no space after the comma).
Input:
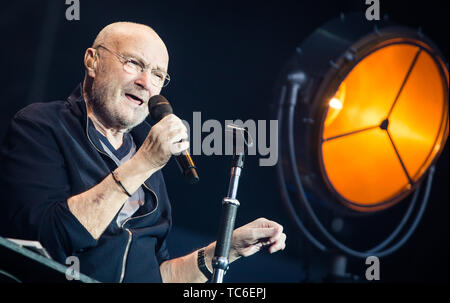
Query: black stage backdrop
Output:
(224,59)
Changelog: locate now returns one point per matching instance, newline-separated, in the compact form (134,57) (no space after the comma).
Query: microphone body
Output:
(159,107)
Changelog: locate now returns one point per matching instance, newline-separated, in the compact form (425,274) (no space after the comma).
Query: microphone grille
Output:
(159,107)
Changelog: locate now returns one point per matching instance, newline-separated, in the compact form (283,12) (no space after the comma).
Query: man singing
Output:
(83,176)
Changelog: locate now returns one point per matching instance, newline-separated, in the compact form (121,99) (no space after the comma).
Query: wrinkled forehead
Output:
(142,44)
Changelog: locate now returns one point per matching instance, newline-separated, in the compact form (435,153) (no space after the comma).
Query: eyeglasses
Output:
(133,66)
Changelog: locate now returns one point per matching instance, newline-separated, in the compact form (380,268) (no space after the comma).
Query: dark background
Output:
(225,57)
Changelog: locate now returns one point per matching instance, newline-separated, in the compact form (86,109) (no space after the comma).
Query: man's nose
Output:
(144,80)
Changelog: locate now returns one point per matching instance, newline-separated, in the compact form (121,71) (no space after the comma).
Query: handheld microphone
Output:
(159,107)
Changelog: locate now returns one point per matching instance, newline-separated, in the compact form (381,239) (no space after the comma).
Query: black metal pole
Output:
(228,217)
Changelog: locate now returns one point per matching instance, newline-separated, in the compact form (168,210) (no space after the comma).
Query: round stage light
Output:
(377,147)
(363,113)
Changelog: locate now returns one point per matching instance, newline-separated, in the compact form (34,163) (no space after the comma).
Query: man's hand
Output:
(250,238)
(247,240)
(162,142)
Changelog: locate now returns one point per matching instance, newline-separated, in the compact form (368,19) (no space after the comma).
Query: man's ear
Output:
(90,61)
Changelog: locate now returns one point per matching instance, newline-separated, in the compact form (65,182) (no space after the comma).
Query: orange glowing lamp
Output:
(385,125)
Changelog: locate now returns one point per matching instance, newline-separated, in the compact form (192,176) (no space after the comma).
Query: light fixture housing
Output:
(363,111)
(391,125)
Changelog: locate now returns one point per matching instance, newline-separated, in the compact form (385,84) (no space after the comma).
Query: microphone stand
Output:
(228,217)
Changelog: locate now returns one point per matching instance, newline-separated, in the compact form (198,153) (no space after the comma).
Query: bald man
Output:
(83,176)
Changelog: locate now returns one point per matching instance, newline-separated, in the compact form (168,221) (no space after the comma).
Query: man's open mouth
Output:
(134,99)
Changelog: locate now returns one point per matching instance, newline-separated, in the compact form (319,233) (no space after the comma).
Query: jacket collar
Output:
(78,107)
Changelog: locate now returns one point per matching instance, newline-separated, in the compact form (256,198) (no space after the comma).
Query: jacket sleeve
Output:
(162,253)
(34,188)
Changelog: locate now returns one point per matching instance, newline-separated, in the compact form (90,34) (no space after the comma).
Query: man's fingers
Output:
(172,129)
(263,222)
(266,232)
(177,137)
(177,148)
(280,244)
(250,238)
(279,231)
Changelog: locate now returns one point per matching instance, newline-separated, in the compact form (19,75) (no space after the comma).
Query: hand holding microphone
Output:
(166,138)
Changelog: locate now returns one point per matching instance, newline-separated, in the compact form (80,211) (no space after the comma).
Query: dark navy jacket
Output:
(47,157)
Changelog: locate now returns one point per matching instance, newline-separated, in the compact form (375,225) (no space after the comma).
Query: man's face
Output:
(120,99)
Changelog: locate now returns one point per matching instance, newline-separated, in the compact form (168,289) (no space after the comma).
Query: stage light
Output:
(363,111)
(390,130)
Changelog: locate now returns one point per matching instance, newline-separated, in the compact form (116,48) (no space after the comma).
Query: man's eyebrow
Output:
(140,59)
